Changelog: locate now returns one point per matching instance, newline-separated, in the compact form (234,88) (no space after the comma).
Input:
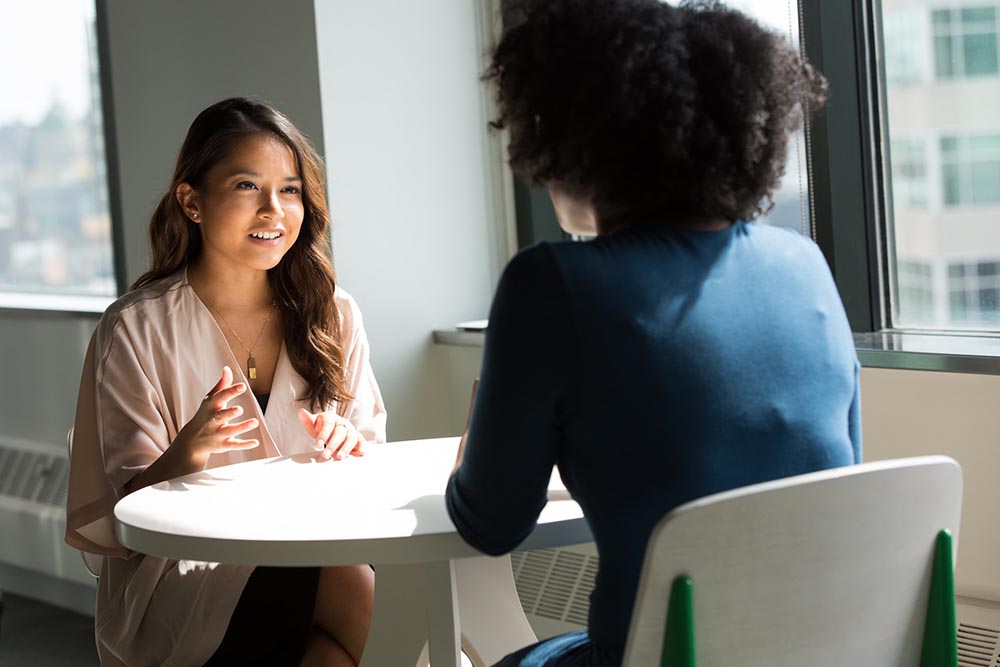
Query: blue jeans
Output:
(569,650)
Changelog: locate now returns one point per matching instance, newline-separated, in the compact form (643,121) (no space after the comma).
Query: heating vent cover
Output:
(38,476)
(978,646)
(555,583)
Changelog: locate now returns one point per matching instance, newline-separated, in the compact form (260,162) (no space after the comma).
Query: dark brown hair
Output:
(650,112)
(303,282)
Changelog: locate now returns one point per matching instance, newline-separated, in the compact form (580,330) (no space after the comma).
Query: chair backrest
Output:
(827,569)
(91,561)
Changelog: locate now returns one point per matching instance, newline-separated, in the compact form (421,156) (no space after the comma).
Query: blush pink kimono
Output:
(155,354)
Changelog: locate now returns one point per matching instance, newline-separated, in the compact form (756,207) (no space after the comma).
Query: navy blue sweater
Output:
(653,366)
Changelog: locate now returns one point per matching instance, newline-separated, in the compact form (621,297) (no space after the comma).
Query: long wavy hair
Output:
(303,282)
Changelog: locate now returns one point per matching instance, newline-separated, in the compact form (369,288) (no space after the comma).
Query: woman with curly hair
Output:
(686,350)
(242,279)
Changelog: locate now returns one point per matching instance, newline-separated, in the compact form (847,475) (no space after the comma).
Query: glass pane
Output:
(985,185)
(988,299)
(944,65)
(987,268)
(907,63)
(956,115)
(791,201)
(980,54)
(974,17)
(55,230)
(952,185)
(941,19)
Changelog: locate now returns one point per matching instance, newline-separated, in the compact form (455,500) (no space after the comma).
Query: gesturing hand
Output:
(210,430)
(334,433)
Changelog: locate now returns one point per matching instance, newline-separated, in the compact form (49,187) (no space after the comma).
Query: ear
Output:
(187,197)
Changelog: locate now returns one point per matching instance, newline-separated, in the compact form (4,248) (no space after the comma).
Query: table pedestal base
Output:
(470,603)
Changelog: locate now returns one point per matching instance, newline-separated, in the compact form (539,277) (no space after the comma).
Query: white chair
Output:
(91,561)
(828,569)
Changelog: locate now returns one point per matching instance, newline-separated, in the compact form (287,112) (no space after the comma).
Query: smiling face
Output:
(249,206)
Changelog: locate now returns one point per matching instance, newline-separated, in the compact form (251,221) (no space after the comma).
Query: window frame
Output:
(850,160)
(88,305)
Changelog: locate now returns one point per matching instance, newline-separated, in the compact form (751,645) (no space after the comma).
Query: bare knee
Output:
(322,650)
(345,599)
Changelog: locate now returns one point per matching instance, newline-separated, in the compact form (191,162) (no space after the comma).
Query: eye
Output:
(246,185)
(291,189)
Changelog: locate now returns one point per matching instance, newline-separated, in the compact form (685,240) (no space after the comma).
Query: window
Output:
(55,226)
(916,291)
(965,41)
(942,169)
(974,293)
(906,55)
(791,201)
(909,173)
(970,169)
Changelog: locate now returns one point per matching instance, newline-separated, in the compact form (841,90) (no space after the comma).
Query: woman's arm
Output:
(496,494)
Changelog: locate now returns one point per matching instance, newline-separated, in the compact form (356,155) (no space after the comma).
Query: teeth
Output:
(267,236)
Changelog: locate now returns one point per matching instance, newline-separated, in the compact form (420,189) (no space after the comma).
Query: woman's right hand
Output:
(211,430)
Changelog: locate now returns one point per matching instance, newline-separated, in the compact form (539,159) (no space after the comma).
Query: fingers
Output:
(225,381)
(330,431)
(359,447)
(227,414)
(308,420)
(343,441)
(230,431)
(217,401)
(236,443)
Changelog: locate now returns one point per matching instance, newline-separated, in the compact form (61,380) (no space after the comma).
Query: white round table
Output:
(387,509)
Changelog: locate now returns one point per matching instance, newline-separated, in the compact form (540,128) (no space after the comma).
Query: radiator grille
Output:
(978,646)
(554,583)
(38,476)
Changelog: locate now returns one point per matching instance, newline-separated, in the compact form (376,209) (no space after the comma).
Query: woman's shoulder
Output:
(156,300)
(348,311)
(779,237)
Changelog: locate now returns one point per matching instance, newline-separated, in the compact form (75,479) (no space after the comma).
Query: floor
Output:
(34,634)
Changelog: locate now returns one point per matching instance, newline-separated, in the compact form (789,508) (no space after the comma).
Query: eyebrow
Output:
(250,172)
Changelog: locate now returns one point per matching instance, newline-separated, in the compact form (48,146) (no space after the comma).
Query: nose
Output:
(270,208)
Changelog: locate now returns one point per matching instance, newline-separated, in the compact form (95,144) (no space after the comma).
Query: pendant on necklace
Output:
(252,368)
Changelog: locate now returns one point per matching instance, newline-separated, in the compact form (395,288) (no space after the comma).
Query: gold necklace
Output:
(251,362)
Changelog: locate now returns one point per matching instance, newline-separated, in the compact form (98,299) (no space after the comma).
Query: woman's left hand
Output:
(335,435)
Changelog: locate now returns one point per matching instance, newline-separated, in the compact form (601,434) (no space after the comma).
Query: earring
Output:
(194,215)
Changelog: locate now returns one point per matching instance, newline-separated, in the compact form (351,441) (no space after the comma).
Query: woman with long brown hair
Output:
(241,302)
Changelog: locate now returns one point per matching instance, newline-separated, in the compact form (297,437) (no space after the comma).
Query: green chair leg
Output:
(678,636)
(940,647)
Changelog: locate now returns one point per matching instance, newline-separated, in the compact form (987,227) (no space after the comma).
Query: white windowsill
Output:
(55,303)
(947,351)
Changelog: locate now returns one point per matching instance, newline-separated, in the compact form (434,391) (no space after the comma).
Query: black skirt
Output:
(272,619)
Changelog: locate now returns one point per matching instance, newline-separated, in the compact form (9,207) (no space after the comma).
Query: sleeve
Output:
(854,416)
(119,430)
(365,411)
(496,495)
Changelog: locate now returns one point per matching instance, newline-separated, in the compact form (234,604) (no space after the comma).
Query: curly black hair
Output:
(650,112)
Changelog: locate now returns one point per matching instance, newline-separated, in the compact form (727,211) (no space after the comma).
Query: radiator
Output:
(33,480)
(554,586)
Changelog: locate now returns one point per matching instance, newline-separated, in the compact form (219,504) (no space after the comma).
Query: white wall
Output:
(911,413)
(413,200)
